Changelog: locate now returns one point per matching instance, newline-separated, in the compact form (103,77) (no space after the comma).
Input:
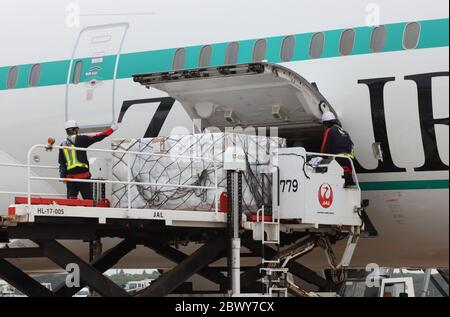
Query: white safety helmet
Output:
(328,116)
(71,124)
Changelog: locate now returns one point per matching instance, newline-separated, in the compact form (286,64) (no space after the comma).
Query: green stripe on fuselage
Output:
(434,33)
(405,185)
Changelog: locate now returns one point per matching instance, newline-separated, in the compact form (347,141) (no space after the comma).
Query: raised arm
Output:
(88,140)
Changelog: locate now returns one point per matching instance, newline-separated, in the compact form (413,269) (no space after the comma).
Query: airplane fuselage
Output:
(395,100)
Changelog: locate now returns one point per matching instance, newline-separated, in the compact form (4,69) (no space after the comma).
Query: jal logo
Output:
(326,195)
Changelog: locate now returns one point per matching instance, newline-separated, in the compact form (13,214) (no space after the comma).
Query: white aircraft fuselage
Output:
(398,97)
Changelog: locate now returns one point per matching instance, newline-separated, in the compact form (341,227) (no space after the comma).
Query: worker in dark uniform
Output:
(337,141)
(74,164)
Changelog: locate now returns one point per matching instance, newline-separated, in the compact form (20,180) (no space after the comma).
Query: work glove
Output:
(114,127)
(315,161)
(50,143)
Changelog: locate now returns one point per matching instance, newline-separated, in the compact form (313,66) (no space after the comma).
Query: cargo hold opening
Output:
(247,95)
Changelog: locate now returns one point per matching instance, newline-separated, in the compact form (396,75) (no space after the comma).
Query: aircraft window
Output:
(259,50)
(378,40)
(287,48)
(411,35)
(317,42)
(179,59)
(77,72)
(205,56)
(35,74)
(232,53)
(13,75)
(347,42)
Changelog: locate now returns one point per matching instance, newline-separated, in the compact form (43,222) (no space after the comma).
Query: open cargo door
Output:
(247,95)
(91,81)
(244,95)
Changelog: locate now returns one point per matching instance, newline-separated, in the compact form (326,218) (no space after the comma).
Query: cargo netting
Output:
(186,170)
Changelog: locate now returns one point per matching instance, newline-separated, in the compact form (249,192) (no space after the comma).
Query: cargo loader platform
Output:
(46,220)
(24,213)
(276,208)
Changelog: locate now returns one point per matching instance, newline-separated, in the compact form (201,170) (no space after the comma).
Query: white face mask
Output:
(72,138)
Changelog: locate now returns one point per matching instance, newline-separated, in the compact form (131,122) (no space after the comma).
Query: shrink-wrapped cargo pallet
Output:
(165,167)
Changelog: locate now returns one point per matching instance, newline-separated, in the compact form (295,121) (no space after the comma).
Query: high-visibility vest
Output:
(71,156)
(349,155)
